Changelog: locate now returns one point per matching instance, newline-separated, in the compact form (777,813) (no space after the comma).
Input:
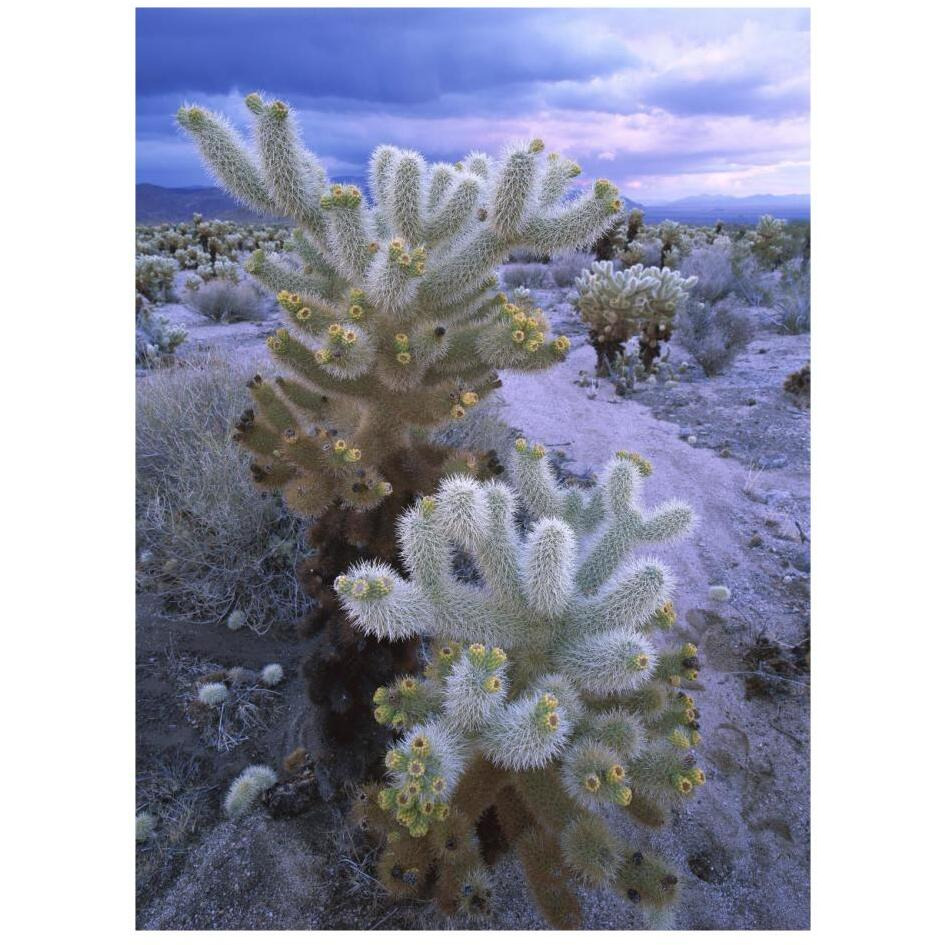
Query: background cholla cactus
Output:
(617,305)
(393,328)
(154,277)
(768,241)
(156,339)
(546,704)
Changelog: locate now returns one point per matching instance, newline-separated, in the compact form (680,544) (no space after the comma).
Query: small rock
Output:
(691,440)
(725,452)
(774,462)
(754,541)
(720,593)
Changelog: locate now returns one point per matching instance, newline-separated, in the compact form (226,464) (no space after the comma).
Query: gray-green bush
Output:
(714,333)
(223,300)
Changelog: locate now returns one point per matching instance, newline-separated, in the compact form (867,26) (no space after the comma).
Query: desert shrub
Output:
(566,268)
(208,541)
(156,338)
(529,275)
(714,333)
(752,282)
(154,278)
(791,298)
(521,254)
(712,264)
(223,300)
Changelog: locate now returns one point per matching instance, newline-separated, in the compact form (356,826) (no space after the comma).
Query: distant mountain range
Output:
(707,208)
(154,204)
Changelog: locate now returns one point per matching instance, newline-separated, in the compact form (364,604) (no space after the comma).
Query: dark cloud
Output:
(389,56)
(703,91)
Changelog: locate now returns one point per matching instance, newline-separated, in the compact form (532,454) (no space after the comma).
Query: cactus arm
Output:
(226,157)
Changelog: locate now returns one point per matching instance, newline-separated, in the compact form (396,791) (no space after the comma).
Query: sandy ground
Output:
(743,845)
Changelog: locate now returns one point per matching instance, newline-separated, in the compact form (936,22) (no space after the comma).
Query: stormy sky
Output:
(666,103)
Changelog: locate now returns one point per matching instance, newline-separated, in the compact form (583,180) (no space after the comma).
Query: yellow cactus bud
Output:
(469,399)
(521,444)
(355,311)
(592,783)
(380,695)
(441,811)
(457,412)
(352,455)
(303,314)
(562,343)
(641,661)
(393,759)
(416,768)
(403,357)
(420,746)
(536,146)
(499,655)
(624,796)
(690,649)
(553,721)
(518,335)
(438,785)
(683,785)
(616,774)
(359,589)
(350,337)
(380,715)
(492,684)
(340,446)
(675,680)
(401,338)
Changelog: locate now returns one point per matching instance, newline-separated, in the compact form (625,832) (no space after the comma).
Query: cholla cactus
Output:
(245,790)
(154,277)
(768,241)
(156,338)
(618,304)
(393,323)
(546,695)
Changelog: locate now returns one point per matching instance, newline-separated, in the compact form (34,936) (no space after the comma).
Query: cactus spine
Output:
(546,697)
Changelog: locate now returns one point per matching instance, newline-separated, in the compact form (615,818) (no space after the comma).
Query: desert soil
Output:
(737,449)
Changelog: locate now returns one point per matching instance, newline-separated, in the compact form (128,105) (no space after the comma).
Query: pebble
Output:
(691,440)
(774,462)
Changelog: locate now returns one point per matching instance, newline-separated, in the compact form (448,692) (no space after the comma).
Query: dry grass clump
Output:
(208,541)
(247,706)
(175,793)
(222,300)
